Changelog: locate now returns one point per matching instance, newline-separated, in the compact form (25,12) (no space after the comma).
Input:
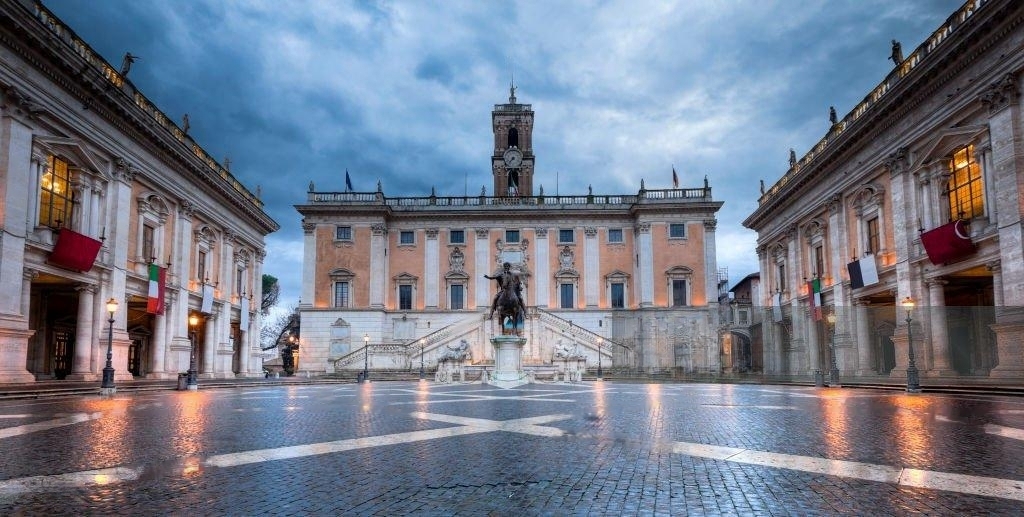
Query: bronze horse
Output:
(508,307)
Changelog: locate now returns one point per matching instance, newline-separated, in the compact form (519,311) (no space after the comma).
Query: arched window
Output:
(513,137)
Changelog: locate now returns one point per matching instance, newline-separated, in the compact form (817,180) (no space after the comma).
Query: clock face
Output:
(513,157)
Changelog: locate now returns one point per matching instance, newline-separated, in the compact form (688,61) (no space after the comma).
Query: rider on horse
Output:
(507,280)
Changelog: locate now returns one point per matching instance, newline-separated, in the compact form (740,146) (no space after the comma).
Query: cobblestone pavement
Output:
(598,448)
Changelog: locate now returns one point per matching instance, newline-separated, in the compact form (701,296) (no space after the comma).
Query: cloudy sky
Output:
(401,91)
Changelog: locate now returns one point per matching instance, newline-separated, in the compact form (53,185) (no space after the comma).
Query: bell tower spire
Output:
(512,163)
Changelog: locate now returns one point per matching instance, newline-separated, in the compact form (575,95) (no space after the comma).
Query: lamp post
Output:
(833,375)
(107,387)
(366,357)
(191,380)
(600,341)
(422,343)
(913,383)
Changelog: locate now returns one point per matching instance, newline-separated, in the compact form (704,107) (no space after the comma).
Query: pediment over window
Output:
(869,194)
(405,278)
(679,272)
(815,228)
(341,274)
(152,203)
(949,140)
(70,149)
(617,275)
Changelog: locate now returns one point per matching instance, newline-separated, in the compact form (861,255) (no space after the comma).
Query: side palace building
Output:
(623,280)
(899,235)
(104,200)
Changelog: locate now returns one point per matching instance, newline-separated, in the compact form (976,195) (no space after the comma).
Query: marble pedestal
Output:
(508,362)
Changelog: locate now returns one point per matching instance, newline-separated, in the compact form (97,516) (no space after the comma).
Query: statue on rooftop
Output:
(897,53)
(126,63)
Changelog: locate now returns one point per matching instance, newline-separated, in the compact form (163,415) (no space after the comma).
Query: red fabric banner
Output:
(948,243)
(74,251)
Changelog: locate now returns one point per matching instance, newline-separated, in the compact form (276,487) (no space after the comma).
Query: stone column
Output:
(158,347)
(939,334)
(378,265)
(645,266)
(81,368)
(591,268)
(431,269)
(481,267)
(208,328)
(542,270)
(865,341)
(711,267)
(309,265)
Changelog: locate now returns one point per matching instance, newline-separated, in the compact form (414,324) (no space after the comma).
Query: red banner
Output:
(74,251)
(948,243)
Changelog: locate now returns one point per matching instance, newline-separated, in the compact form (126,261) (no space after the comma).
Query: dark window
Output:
(457,236)
(615,235)
(407,237)
(677,231)
(678,293)
(457,297)
(240,281)
(512,236)
(341,294)
(782,277)
(618,296)
(343,233)
(405,297)
(819,261)
(513,137)
(56,199)
(566,235)
(874,244)
(566,296)
(148,252)
(201,266)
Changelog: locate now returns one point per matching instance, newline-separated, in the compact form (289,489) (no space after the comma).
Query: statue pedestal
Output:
(508,362)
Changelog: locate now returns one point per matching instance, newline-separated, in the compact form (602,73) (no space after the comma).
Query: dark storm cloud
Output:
(401,92)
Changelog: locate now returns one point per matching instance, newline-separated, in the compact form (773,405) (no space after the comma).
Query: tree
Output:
(271,290)
(274,328)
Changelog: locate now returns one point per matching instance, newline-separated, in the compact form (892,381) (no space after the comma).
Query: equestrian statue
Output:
(508,302)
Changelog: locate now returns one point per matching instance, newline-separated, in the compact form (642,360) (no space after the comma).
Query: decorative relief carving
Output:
(308,228)
(643,228)
(187,209)
(431,233)
(898,161)
(379,229)
(542,233)
(483,233)
(710,224)
(456,260)
(590,231)
(1000,94)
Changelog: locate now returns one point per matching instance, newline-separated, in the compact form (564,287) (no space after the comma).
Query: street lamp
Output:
(833,376)
(913,384)
(192,382)
(422,343)
(107,386)
(600,341)
(366,357)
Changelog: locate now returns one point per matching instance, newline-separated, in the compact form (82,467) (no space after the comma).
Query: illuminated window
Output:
(965,190)
(56,199)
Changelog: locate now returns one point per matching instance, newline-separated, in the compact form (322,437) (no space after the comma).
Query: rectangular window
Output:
(511,236)
(148,253)
(819,261)
(240,281)
(566,235)
(343,233)
(407,237)
(677,231)
(458,297)
(782,277)
(56,199)
(457,236)
(341,291)
(201,266)
(566,297)
(405,297)
(873,243)
(966,195)
(618,296)
(615,235)
(678,293)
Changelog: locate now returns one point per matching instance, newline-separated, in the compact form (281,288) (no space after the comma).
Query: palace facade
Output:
(620,280)
(104,199)
(905,221)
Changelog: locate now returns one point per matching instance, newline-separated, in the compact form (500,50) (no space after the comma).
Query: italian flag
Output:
(157,278)
(815,288)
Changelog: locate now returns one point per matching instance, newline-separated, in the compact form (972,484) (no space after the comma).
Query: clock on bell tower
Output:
(512,163)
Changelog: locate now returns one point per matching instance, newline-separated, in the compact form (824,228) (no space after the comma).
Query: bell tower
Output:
(513,162)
